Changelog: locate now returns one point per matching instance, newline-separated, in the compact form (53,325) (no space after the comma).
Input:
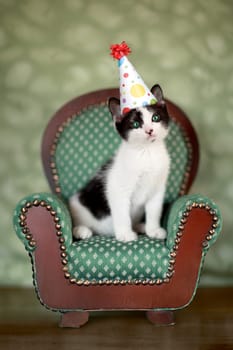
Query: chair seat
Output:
(106,259)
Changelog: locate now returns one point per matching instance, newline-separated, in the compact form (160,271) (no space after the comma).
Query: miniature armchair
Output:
(73,277)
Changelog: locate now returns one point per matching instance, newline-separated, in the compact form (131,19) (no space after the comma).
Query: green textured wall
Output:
(51,51)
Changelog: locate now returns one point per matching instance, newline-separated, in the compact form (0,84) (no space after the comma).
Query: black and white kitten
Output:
(132,184)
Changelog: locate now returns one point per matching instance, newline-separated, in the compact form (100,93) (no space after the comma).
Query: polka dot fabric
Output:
(102,258)
(87,143)
(179,155)
(90,139)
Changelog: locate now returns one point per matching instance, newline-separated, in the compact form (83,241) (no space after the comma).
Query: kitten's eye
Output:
(136,124)
(156,118)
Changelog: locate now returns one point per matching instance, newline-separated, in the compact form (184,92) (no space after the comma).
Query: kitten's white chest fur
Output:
(137,178)
(139,172)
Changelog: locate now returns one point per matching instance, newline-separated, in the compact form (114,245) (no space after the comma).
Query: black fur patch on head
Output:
(160,109)
(127,123)
(93,197)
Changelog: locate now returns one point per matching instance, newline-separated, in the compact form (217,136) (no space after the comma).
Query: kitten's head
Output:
(142,125)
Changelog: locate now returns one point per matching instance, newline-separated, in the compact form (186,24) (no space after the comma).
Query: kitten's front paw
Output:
(126,236)
(82,232)
(158,233)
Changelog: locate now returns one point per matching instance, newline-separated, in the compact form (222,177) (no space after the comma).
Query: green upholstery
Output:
(102,258)
(89,140)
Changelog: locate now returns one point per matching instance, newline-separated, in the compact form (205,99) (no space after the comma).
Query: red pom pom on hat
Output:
(119,50)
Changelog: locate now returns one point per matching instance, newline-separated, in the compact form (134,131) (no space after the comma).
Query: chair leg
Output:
(74,319)
(161,317)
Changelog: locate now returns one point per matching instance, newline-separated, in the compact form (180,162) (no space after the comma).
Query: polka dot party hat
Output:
(133,91)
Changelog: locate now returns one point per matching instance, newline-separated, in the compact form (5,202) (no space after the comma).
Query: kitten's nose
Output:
(149,132)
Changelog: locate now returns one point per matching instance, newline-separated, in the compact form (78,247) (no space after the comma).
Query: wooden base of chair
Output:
(74,319)
(161,318)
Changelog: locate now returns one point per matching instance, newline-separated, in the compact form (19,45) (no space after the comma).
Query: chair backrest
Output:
(80,138)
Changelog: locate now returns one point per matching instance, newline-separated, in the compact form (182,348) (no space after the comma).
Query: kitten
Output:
(132,184)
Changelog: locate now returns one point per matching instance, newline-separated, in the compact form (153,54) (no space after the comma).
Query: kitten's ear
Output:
(158,93)
(114,107)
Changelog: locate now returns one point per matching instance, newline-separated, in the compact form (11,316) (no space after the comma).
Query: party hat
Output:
(133,91)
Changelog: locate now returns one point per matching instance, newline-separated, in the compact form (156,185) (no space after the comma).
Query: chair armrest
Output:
(55,206)
(179,214)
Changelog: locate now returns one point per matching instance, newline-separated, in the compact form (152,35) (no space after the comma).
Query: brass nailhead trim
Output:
(181,227)
(64,261)
(32,243)
(29,236)
(36,203)
(159,281)
(166,280)
(22,217)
